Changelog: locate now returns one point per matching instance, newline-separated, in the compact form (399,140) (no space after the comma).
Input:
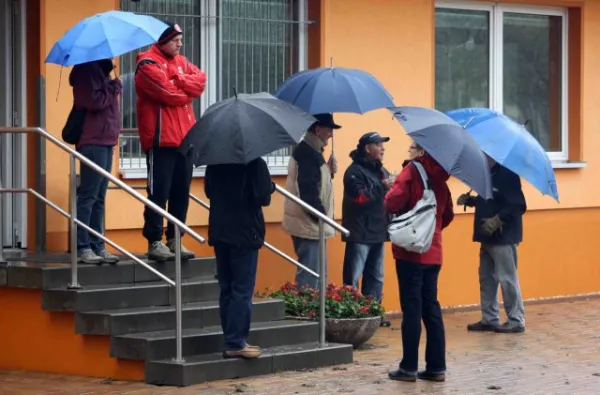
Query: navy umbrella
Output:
(245,127)
(449,144)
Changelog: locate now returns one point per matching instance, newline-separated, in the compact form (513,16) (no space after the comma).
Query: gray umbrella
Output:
(449,144)
(245,127)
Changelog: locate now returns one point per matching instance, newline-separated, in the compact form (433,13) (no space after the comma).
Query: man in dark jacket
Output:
(236,230)
(96,93)
(366,182)
(498,227)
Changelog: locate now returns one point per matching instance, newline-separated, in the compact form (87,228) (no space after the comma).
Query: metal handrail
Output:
(177,224)
(268,245)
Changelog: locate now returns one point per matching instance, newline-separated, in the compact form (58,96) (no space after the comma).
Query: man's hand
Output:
(490,225)
(466,200)
(388,182)
(332,163)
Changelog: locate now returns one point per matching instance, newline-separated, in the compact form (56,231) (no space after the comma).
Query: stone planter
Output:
(355,331)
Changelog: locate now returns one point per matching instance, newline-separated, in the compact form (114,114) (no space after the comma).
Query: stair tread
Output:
(168,308)
(266,353)
(191,332)
(147,284)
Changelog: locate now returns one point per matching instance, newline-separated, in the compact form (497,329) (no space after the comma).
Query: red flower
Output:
(312,314)
(365,309)
(337,298)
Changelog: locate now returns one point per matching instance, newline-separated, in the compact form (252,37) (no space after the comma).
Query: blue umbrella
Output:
(510,144)
(334,89)
(449,144)
(104,36)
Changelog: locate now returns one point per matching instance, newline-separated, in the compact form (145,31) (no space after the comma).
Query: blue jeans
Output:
(419,302)
(364,260)
(91,194)
(307,251)
(236,271)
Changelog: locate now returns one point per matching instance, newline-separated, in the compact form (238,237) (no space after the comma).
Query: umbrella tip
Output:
(235,92)
(526,122)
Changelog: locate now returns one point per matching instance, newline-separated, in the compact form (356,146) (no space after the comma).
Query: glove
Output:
(490,225)
(466,200)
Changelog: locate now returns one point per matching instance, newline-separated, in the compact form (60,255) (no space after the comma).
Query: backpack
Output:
(73,128)
(414,229)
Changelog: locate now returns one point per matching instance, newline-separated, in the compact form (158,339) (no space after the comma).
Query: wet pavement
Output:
(558,354)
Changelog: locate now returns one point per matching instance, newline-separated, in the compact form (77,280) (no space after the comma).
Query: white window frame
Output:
(496,99)
(209,63)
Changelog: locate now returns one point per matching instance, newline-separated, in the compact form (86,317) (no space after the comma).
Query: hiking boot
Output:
(482,327)
(430,376)
(107,257)
(401,375)
(185,253)
(509,327)
(248,352)
(88,256)
(157,251)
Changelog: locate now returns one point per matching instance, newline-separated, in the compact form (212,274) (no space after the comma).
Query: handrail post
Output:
(178,301)
(322,282)
(72,224)
(2,260)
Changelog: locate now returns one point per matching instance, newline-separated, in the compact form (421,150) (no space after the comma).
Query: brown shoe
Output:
(247,352)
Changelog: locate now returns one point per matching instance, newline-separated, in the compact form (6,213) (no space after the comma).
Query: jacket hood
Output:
(156,51)
(360,158)
(433,169)
(98,68)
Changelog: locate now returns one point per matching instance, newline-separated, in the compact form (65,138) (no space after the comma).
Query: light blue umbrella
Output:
(334,89)
(510,144)
(449,144)
(105,36)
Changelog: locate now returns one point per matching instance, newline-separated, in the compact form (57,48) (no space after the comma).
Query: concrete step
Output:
(160,318)
(124,296)
(210,367)
(161,345)
(44,275)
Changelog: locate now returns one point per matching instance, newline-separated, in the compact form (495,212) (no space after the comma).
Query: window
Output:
(508,58)
(249,45)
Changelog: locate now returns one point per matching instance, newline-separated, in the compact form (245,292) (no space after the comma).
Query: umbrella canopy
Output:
(509,144)
(334,89)
(104,36)
(245,127)
(449,144)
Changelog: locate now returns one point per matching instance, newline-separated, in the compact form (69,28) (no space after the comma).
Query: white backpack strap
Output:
(423,174)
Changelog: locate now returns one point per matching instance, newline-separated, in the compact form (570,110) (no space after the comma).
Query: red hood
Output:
(155,50)
(433,169)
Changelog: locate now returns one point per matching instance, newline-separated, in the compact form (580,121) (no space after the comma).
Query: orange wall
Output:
(393,41)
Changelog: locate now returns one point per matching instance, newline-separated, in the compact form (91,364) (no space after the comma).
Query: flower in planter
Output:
(340,302)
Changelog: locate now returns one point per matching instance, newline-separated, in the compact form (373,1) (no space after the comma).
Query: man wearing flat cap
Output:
(310,179)
(366,182)
(166,84)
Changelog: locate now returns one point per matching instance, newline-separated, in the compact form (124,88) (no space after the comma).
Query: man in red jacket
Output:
(166,84)
(418,273)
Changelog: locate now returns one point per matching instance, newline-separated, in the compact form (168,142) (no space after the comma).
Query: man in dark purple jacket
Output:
(97,93)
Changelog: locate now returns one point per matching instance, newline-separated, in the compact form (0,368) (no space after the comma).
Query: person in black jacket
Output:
(366,182)
(236,230)
(498,227)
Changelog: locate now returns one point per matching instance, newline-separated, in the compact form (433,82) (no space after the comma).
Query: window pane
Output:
(462,58)
(532,58)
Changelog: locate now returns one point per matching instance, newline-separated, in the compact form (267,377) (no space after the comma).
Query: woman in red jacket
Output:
(418,273)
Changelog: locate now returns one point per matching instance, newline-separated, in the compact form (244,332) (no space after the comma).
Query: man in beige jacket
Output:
(309,178)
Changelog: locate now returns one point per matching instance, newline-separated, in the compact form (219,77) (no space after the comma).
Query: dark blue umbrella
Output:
(509,144)
(449,144)
(334,89)
(104,36)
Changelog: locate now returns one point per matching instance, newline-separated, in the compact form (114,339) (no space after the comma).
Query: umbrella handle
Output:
(468,194)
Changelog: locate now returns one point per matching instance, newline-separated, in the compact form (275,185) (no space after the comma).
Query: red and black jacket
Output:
(363,212)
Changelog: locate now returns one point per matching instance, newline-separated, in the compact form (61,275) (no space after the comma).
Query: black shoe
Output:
(429,376)
(482,327)
(400,375)
(385,324)
(508,327)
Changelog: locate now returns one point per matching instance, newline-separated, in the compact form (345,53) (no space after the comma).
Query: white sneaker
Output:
(89,257)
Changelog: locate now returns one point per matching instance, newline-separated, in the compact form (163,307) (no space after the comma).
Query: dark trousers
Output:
(91,195)
(418,300)
(364,260)
(236,270)
(169,179)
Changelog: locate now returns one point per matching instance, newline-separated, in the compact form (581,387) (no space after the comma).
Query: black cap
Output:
(372,138)
(326,120)
(170,33)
